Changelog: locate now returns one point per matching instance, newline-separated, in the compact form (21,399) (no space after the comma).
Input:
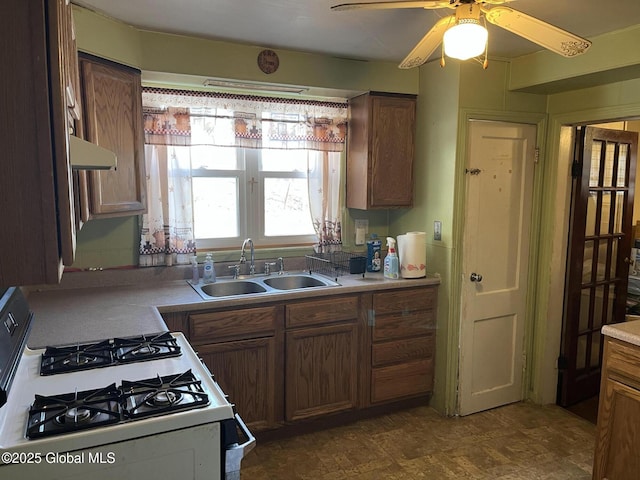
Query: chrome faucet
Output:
(243,258)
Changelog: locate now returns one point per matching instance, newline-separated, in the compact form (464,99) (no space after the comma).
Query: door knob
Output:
(475,277)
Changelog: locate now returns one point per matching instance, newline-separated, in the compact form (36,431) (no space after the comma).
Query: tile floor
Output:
(521,441)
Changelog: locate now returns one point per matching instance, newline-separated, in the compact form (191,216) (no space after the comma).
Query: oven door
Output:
(234,451)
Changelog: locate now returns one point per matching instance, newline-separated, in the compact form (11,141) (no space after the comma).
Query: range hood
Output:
(89,156)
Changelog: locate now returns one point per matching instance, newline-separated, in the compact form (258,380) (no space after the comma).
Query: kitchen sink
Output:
(261,285)
(290,282)
(226,289)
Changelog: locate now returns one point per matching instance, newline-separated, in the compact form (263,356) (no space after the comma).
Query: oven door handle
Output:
(236,452)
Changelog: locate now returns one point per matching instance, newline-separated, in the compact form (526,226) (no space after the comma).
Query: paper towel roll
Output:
(412,250)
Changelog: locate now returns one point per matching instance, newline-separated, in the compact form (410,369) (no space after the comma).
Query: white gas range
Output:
(141,407)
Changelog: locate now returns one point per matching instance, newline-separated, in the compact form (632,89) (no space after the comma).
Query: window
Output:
(258,193)
(223,167)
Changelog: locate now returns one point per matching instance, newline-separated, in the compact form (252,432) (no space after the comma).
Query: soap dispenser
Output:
(391,260)
(209,275)
(195,274)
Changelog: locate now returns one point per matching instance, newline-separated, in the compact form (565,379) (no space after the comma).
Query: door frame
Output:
(552,255)
(454,320)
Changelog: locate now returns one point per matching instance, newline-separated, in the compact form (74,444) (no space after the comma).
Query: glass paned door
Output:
(598,258)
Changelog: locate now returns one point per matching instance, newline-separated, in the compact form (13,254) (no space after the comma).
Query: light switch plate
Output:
(437,230)
(362,228)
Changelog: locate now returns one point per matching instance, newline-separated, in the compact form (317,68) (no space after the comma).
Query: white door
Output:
(500,169)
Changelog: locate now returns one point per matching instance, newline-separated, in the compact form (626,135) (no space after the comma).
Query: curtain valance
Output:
(183,117)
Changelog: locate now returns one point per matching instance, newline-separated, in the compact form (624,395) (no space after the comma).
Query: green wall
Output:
(448,98)
(186,61)
(541,89)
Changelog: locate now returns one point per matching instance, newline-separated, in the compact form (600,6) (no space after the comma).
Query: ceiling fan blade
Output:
(390,5)
(423,50)
(544,34)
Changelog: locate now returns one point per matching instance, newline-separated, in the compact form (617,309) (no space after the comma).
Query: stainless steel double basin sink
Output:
(261,285)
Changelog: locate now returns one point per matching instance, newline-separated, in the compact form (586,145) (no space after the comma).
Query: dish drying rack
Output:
(335,264)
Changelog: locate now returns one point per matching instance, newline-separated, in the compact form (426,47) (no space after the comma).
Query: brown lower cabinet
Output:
(285,362)
(243,349)
(246,371)
(321,368)
(617,454)
(403,343)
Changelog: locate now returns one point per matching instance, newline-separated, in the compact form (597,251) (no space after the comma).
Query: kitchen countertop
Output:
(627,331)
(69,315)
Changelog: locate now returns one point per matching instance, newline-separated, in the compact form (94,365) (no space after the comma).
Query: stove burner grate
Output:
(71,412)
(145,347)
(161,395)
(108,352)
(74,411)
(76,357)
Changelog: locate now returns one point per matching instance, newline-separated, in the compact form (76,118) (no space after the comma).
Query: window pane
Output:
(214,158)
(286,207)
(594,177)
(592,207)
(609,160)
(622,165)
(283,160)
(587,261)
(215,207)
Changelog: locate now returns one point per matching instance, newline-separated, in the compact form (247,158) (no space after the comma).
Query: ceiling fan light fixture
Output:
(465,40)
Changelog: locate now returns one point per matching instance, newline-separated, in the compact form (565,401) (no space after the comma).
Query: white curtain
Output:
(167,229)
(324,199)
(233,120)
(256,122)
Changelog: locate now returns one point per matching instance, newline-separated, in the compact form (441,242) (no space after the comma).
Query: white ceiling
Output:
(310,25)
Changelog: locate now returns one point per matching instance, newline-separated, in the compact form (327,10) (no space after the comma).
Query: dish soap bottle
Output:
(195,275)
(209,275)
(391,260)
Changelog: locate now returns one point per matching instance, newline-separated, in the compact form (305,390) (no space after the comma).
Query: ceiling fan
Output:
(465,37)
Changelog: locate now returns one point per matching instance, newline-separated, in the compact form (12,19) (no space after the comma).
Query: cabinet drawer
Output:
(399,325)
(405,300)
(401,380)
(214,326)
(623,359)
(402,350)
(322,312)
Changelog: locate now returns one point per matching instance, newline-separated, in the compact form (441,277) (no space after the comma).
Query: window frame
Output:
(252,223)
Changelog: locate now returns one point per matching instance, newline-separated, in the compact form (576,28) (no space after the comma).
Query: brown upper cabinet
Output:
(380,151)
(37,113)
(112,106)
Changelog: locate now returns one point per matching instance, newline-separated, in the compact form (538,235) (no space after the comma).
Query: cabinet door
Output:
(248,371)
(38,232)
(392,150)
(321,371)
(380,151)
(112,108)
(65,109)
(617,454)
